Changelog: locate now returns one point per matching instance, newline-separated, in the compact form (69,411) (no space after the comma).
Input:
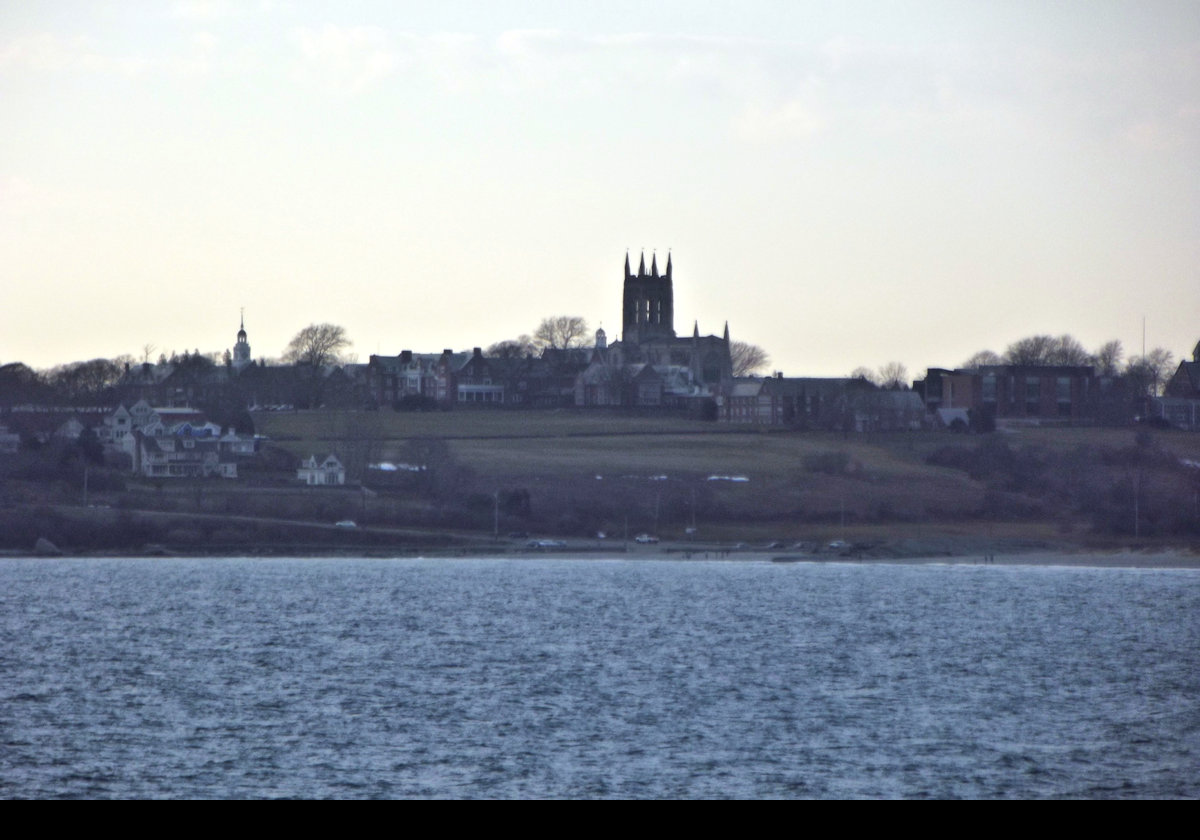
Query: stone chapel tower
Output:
(648,310)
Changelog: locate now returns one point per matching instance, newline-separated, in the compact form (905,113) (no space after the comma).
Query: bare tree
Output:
(1034,350)
(1046,350)
(748,359)
(360,436)
(893,376)
(561,332)
(20,383)
(617,383)
(317,345)
(517,348)
(1107,360)
(437,472)
(79,380)
(1150,372)
(982,359)
(1068,351)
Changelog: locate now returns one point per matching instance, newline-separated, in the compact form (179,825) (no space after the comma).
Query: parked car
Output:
(546,544)
(345,523)
(645,539)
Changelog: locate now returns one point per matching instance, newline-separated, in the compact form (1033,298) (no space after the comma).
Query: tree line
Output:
(1147,372)
(320,345)
(566,332)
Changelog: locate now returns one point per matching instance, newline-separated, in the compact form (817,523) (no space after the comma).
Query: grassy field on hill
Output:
(571,475)
(586,471)
(394,425)
(498,444)
(568,441)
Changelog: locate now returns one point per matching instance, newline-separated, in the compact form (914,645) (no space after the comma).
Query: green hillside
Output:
(591,471)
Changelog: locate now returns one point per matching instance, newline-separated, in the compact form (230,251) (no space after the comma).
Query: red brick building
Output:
(1042,393)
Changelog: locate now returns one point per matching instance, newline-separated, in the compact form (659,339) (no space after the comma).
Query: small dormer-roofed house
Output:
(324,472)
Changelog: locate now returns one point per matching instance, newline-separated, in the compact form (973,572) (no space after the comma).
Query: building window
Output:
(1033,395)
(1062,389)
(989,388)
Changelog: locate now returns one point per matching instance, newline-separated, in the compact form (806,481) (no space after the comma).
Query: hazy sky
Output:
(846,183)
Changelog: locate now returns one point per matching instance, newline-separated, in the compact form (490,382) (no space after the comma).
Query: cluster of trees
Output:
(565,332)
(559,332)
(1138,490)
(322,345)
(95,381)
(1146,373)
(891,377)
(74,383)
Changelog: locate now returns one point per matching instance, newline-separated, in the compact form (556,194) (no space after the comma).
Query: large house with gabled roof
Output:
(322,472)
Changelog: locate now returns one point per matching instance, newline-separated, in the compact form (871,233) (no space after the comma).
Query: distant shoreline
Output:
(1178,558)
(1081,559)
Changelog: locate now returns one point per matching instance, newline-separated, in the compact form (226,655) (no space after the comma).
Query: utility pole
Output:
(1137,498)
(693,513)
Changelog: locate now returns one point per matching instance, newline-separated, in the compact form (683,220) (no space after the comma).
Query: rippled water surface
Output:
(594,678)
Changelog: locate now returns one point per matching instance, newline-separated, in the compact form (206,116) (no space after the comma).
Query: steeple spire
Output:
(642,265)
(696,329)
(653,264)
(240,357)
(668,263)
(726,332)
(626,263)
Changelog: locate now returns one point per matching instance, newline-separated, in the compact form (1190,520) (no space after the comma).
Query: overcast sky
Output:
(846,184)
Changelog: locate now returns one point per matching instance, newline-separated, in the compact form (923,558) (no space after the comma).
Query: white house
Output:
(181,457)
(327,472)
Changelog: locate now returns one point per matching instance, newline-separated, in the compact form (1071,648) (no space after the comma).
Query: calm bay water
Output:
(595,678)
